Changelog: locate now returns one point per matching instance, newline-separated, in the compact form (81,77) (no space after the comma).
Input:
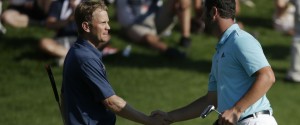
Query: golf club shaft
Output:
(53,85)
(218,112)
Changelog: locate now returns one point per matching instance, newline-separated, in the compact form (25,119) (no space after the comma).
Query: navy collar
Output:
(87,44)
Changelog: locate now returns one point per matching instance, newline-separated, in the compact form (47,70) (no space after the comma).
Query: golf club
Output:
(208,110)
(53,85)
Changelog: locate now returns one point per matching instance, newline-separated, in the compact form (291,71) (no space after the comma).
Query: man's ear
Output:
(214,12)
(85,26)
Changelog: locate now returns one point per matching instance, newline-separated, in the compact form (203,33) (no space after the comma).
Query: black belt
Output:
(263,112)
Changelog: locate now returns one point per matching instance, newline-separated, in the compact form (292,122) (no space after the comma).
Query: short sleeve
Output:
(212,84)
(94,75)
(250,54)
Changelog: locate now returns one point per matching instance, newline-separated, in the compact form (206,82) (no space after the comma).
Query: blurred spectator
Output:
(183,11)
(145,21)
(22,13)
(60,19)
(238,12)
(197,23)
(2,28)
(109,2)
(284,17)
(293,74)
(248,3)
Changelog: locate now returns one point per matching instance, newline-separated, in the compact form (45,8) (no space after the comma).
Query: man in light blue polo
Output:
(235,67)
(240,75)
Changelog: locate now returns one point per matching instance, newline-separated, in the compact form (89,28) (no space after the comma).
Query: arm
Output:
(121,108)
(264,80)
(94,76)
(193,110)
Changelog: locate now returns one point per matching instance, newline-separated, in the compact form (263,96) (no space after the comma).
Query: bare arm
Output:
(121,108)
(264,80)
(194,109)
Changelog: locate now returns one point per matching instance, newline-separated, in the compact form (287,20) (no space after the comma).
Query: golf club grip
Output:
(51,77)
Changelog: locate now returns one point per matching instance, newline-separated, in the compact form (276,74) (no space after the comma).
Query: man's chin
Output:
(106,39)
(103,43)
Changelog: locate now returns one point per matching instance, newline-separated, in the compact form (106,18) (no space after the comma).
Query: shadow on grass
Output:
(154,61)
(277,52)
(256,22)
(26,47)
(157,61)
(280,70)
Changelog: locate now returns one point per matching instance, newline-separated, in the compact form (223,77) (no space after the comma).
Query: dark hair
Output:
(226,8)
(84,12)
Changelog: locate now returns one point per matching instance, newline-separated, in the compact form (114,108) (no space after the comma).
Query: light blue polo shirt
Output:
(238,56)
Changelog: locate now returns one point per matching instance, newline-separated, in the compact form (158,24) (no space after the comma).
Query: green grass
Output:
(145,79)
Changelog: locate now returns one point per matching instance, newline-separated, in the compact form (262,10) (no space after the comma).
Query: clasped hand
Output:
(160,118)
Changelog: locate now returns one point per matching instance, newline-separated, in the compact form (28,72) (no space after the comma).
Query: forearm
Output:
(190,111)
(121,108)
(194,109)
(264,80)
(131,114)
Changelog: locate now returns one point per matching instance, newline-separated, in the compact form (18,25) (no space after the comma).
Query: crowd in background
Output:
(144,22)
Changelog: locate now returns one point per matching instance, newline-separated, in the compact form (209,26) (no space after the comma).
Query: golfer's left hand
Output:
(229,117)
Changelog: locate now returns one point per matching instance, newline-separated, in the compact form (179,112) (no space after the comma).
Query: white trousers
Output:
(294,70)
(263,119)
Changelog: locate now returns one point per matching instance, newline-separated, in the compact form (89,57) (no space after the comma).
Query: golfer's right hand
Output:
(162,116)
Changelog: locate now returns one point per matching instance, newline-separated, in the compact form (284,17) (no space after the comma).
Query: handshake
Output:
(163,118)
(159,117)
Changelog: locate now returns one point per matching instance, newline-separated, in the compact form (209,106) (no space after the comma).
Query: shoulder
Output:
(83,51)
(244,39)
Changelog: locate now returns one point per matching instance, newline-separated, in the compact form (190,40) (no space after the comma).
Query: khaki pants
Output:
(155,24)
(294,70)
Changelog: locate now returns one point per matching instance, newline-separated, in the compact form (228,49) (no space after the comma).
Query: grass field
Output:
(145,79)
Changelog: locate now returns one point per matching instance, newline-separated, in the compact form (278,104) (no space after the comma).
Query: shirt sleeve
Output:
(212,84)
(250,54)
(94,75)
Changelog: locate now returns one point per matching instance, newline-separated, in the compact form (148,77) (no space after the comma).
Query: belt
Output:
(263,112)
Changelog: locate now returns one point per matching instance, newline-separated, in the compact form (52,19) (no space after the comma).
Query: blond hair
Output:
(84,12)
